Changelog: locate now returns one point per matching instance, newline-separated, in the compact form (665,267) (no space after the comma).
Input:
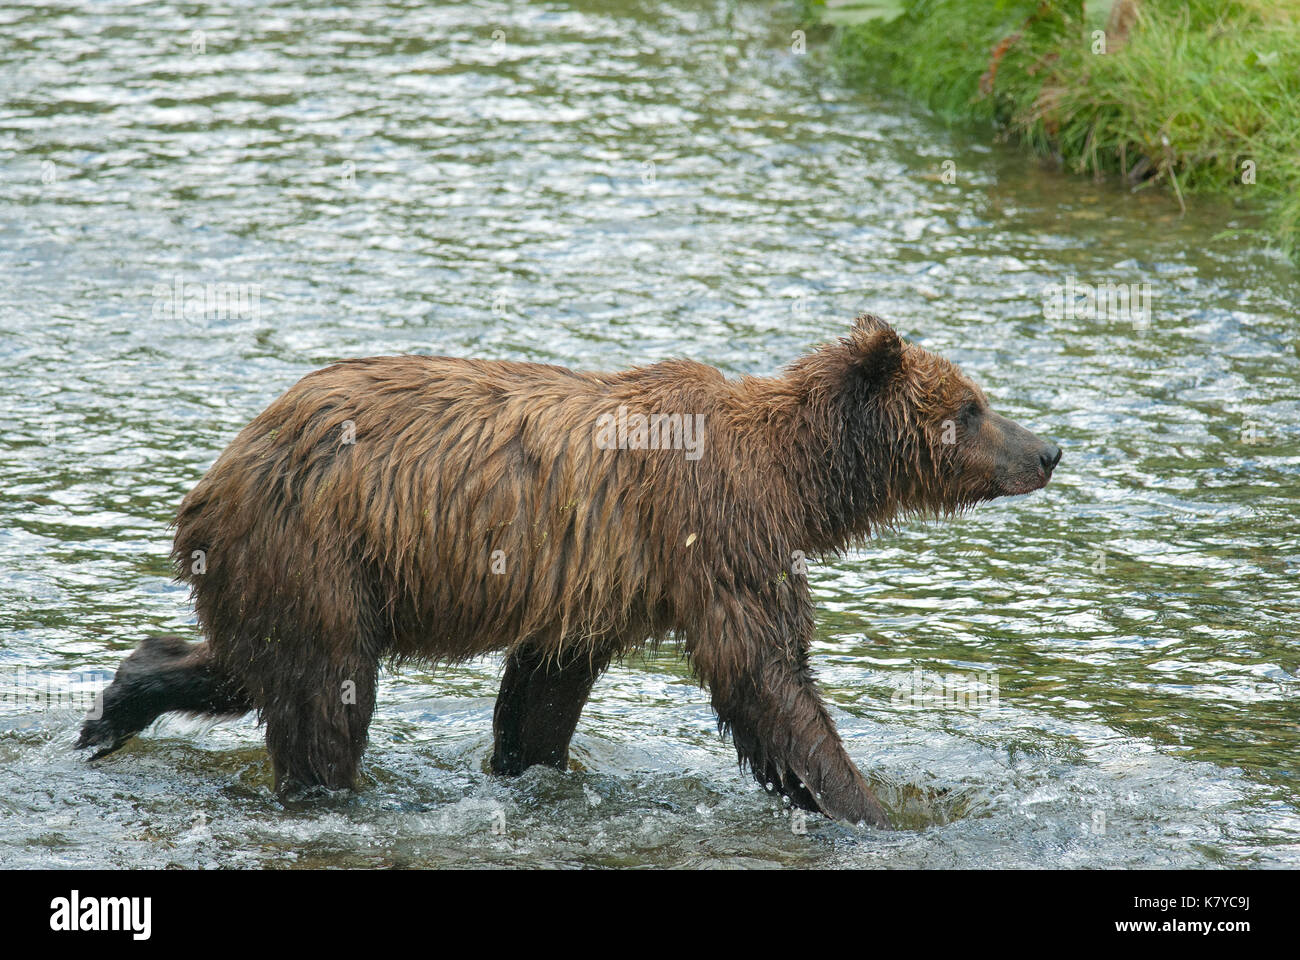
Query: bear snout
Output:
(1037,476)
(1023,462)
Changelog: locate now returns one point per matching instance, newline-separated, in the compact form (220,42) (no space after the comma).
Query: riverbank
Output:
(1197,98)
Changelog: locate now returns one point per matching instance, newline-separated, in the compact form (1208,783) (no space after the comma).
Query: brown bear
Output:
(428,508)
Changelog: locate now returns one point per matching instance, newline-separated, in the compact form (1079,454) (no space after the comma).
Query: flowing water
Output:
(1105,673)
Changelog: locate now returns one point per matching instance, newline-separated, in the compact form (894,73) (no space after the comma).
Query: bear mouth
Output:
(1025,483)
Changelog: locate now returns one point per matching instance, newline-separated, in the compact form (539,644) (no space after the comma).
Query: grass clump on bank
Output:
(1201,96)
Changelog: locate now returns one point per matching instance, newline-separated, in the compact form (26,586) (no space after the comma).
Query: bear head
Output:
(927,439)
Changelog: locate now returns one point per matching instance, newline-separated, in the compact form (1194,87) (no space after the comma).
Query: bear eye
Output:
(969,411)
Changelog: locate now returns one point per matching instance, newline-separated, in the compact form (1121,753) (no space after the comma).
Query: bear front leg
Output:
(755,664)
(318,720)
(538,707)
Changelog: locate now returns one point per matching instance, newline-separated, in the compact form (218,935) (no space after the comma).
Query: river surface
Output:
(1102,674)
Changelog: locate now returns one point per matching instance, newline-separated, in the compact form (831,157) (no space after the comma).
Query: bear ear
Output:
(869,323)
(876,348)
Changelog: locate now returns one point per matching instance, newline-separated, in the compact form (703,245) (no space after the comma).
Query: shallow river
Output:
(599,185)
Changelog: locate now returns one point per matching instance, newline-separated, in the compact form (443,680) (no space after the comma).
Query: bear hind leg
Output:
(538,707)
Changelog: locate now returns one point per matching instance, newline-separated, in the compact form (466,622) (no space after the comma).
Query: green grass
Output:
(1199,87)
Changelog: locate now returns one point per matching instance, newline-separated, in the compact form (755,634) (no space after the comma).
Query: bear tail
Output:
(162,675)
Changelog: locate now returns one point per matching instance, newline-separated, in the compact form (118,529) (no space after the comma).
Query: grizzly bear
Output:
(427,508)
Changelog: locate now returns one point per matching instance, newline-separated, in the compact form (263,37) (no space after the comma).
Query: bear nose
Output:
(1050,457)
